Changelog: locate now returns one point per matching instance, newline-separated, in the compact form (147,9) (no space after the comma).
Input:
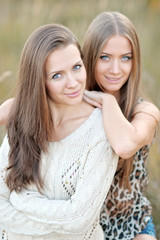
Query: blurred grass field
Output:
(18,18)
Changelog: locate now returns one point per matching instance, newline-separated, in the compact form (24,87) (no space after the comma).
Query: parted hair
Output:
(102,28)
(29,125)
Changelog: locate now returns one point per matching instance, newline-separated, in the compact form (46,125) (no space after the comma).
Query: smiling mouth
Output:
(112,80)
(73,94)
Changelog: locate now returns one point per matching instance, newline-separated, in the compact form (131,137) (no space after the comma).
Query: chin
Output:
(75,101)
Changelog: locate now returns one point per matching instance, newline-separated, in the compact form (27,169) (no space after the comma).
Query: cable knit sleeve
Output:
(78,213)
(11,219)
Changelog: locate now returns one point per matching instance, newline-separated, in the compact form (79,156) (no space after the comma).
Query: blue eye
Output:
(104,57)
(77,67)
(56,76)
(126,58)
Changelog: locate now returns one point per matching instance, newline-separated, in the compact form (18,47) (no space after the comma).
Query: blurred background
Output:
(18,18)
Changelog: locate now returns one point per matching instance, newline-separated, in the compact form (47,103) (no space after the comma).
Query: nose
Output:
(71,81)
(114,67)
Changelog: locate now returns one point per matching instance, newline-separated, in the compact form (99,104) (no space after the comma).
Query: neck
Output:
(62,113)
(116,95)
(68,118)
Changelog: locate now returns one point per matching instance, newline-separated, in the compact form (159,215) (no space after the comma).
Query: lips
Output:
(73,94)
(112,80)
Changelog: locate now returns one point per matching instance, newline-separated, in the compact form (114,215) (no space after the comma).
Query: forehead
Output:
(117,44)
(62,57)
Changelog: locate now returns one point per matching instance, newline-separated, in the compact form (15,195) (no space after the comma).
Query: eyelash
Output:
(54,76)
(127,58)
(104,57)
(58,75)
(75,67)
(124,58)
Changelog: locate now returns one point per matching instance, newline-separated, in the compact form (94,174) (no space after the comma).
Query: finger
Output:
(88,93)
(91,92)
(93,95)
(91,102)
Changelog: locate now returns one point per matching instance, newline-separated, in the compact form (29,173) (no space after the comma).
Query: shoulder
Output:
(5,108)
(5,144)
(86,108)
(4,151)
(148,108)
(93,126)
(96,117)
(92,114)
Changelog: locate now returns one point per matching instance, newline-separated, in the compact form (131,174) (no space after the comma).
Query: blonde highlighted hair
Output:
(102,28)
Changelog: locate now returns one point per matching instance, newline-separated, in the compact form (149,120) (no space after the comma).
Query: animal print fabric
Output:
(125,214)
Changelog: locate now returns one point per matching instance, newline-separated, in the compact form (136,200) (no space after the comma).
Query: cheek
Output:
(48,87)
(128,69)
(99,71)
(52,89)
(100,67)
(82,77)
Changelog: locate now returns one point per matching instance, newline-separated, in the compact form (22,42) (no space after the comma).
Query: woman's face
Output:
(114,64)
(66,75)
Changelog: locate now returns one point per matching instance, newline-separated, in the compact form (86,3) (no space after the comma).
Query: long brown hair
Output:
(29,124)
(102,28)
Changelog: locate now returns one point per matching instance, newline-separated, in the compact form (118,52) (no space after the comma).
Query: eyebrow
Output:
(129,53)
(56,71)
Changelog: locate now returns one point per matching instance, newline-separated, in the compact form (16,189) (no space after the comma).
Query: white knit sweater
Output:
(77,172)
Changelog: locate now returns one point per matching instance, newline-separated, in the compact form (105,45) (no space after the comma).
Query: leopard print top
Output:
(125,214)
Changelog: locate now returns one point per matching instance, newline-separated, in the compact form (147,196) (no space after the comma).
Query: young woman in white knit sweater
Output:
(56,163)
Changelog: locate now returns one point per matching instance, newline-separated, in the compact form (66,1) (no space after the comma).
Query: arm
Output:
(5,108)
(11,219)
(77,214)
(126,137)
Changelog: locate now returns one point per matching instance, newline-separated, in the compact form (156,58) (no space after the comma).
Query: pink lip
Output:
(112,80)
(73,94)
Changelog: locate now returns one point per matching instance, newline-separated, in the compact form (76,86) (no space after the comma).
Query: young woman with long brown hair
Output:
(54,173)
(112,60)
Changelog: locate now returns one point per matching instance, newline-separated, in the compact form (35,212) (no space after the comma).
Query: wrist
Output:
(107,98)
